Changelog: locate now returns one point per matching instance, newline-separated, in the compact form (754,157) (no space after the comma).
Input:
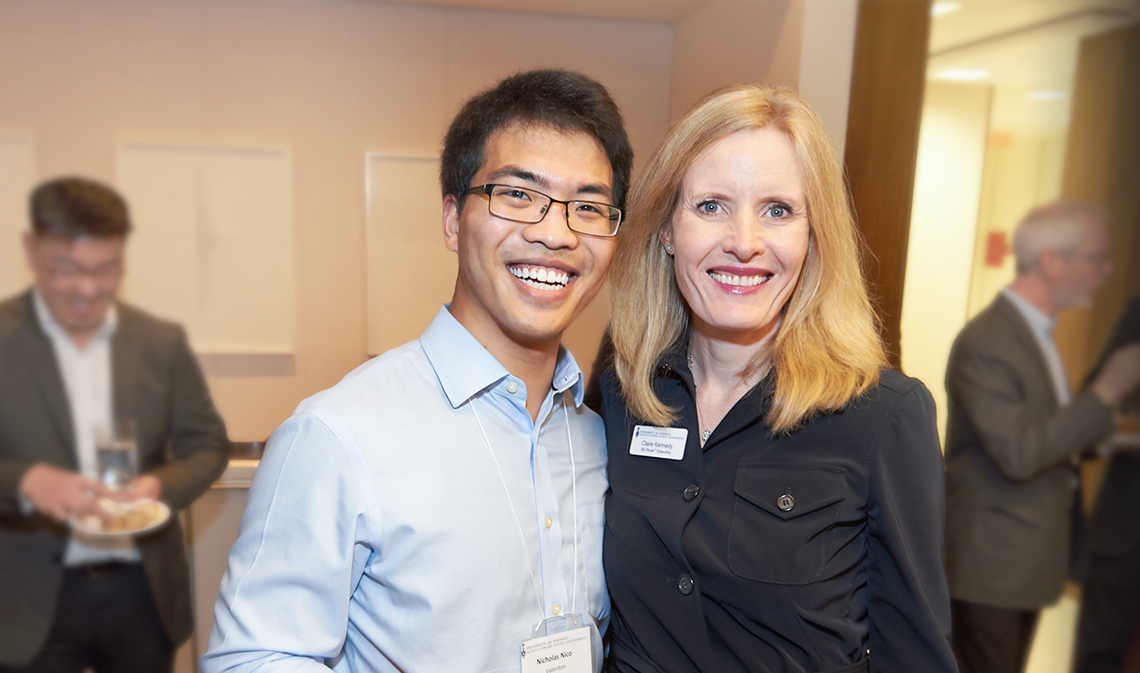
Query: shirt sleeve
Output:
(909,601)
(301,551)
(12,502)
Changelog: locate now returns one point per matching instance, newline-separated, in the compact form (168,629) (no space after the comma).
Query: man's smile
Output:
(540,277)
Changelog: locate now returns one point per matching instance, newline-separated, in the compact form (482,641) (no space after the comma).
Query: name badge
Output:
(655,442)
(565,652)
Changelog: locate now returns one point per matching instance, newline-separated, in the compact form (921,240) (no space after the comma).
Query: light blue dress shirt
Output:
(379,535)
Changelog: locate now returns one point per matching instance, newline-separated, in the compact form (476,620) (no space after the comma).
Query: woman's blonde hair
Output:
(827,350)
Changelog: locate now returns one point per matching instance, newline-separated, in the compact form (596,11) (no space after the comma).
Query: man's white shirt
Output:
(87,380)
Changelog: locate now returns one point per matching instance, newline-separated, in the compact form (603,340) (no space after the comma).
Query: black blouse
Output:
(815,551)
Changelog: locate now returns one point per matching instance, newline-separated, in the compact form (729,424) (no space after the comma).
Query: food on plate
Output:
(125,517)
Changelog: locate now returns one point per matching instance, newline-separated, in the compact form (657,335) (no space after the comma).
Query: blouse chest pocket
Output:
(781,519)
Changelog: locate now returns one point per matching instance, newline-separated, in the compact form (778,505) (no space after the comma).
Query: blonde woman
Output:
(776,492)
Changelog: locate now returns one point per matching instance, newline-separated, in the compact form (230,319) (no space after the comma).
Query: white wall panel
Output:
(213,242)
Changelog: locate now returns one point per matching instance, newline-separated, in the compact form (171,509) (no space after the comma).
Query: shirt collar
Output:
(1039,322)
(464,367)
(675,362)
(751,408)
(56,332)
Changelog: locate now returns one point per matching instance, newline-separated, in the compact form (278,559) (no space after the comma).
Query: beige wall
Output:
(827,53)
(731,41)
(947,188)
(1022,170)
(331,81)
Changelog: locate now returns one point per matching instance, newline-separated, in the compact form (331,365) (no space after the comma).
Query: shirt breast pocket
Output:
(781,519)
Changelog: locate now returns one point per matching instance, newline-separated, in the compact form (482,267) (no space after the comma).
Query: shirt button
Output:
(557,609)
(685,584)
(512,387)
(549,522)
(691,492)
(786,502)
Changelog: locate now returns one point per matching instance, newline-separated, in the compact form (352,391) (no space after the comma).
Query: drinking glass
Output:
(116,454)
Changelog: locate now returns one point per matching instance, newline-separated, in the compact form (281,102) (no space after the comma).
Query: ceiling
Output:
(1026,49)
(1030,43)
(642,10)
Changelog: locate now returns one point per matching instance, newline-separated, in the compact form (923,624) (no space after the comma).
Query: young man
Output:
(1015,433)
(73,359)
(441,507)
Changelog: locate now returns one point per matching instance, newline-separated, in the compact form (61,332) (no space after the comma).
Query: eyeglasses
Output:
(1093,258)
(70,272)
(518,204)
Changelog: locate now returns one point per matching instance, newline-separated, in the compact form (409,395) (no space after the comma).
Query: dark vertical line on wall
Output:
(887,82)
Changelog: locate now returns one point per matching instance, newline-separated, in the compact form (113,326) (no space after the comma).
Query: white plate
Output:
(80,525)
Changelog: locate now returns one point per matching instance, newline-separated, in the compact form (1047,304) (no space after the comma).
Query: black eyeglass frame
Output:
(489,188)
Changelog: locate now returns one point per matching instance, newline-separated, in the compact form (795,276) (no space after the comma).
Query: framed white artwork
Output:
(213,247)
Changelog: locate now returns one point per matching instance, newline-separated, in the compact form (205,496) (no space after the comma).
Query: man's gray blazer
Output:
(1009,470)
(181,441)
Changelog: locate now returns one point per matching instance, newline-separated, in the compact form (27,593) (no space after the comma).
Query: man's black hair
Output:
(77,207)
(564,100)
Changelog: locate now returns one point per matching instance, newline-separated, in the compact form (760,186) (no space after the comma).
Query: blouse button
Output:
(549,522)
(512,387)
(691,492)
(786,502)
(685,584)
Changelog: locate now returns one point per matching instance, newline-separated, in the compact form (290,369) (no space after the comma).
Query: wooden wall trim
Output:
(1102,166)
(887,83)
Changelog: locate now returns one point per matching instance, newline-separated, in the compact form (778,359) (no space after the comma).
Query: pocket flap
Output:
(787,491)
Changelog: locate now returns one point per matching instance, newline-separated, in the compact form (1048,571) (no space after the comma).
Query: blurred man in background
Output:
(72,360)
(1015,435)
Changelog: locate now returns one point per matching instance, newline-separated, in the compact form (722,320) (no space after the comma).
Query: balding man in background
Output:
(1015,435)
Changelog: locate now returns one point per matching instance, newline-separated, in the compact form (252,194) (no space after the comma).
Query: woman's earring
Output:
(669,248)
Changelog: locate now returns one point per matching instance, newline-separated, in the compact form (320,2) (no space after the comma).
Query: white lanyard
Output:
(518,524)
